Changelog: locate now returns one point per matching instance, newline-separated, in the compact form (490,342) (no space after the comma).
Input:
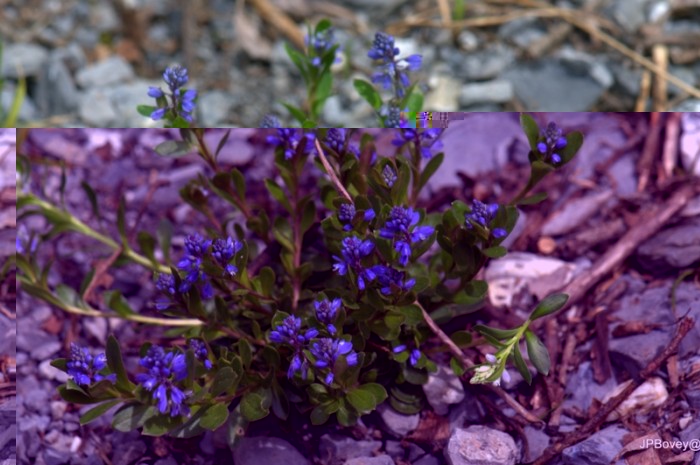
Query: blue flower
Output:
(414,356)
(426,140)
(551,140)
(292,141)
(289,332)
(196,246)
(353,251)
(389,175)
(166,285)
(320,43)
(482,214)
(391,72)
(394,116)
(346,213)
(223,250)
(201,352)
(335,139)
(165,369)
(270,121)
(391,280)
(181,102)
(401,227)
(326,351)
(84,368)
(326,311)
(24,242)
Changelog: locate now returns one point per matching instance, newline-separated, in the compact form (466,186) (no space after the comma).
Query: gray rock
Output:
(581,389)
(427,460)
(335,448)
(479,445)
(397,423)
(107,72)
(213,108)
(56,457)
(579,62)
(104,18)
(488,63)
(467,40)
(547,86)
(333,111)
(394,449)
(23,60)
(56,91)
(575,212)
(124,99)
(598,449)
(442,94)
(467,412)
(686,75)
(674,248)
(27,110)
(692,105)
(630,14)
(443,389)
(34,423)
(498,91)
(264,450)
(46,350)
(626,79)
(522,31)
(129,452)
(378,460)
(95,109)
(537,441)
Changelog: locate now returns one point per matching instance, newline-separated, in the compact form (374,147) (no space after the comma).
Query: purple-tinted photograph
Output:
(514,288)
(8,217)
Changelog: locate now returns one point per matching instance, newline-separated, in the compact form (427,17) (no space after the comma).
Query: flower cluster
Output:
(401,227)
(270,121)
(84,368)
(196,247)
(389,176)
(424,141)
(326,351)
(392,280)
(347,212)
(482,214)
(25,243)
(164,371)
(552,140)
(394,116)
(491,367)
(179,101)
(223,251)
(326,312)
(319,43)
(201,352)
(414,356)
(293,141)
(353,251)
(391,71)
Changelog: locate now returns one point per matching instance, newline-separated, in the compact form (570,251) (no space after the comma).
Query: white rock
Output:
(690,142)
(479,445)
(442,95)
(541,275)
(443,389)
(497,91)
(649,395)
(397,423)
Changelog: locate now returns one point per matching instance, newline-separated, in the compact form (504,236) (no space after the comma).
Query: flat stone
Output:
(264,450)
(580,62)
(397,423)
(443,389)
(674,248)
(581,388)
(56,90)
(107,72)
(537,442)
(335,448)
(598,449)
(442,95)
(630,14)
(378,460)
(129,452)
(214,108)
(23,60)
(498,91)
(575,212)
(95,109)
(427,460)
(56,457)
(488,63)
(547,86)
(480,445)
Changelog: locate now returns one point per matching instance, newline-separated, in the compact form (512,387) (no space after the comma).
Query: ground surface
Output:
(90,63)
(620,323)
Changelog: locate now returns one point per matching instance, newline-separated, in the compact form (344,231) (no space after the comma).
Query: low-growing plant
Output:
(404,100)
(321,305)
(9,118)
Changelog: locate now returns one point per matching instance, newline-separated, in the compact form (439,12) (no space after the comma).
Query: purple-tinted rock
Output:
(674,248)
(598,449)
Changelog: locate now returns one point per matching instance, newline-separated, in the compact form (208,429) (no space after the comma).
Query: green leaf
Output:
(252,407)
(98,411)
(246,352)
(532,131)
(60,363)
(132,416)
(299,61)
(121,222)
(278,194)
(173,148)
(520,364)
(116,364)
(537,352)
(319,415)
(574,141)
(533,199)
(165,235)
(496,333)
(147,244)
(549,305)
(145,110)
(368,92)
(308,217)
(323,25)
(362,400)
(456,366)
(377,390)
(221,144)
(226,380)
(414,103)
(75,397)
(430,169)
(117,302)
(309,124)
(461,338)
(92,197)
(238,181)
(267,280)
(323,91)
(497,251)
(297,113)
(214,416)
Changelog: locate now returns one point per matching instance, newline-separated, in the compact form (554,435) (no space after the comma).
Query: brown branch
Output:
(329,169)
(606,409)
(100,271)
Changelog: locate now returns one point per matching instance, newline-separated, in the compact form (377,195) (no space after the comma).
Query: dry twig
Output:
(329,169)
